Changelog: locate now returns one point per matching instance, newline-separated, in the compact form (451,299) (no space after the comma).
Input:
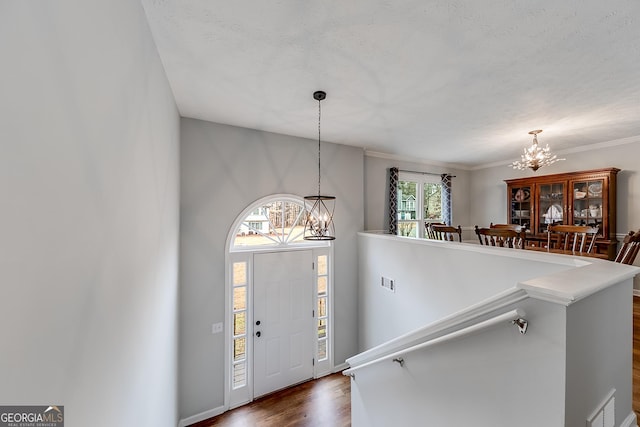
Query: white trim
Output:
(341,367)
(248,254)
(201,416)
(582,148)
(630,421)
(322,368)
(411,159)
(636,292)
(421,181)
(275,247)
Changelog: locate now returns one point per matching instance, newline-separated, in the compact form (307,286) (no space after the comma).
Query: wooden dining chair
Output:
(514,227)
(629,249)
(429,230)
(502,237)
(446,232)
(575,238)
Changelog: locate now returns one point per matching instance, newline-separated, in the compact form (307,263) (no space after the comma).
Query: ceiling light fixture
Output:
(319,218)
(535,157)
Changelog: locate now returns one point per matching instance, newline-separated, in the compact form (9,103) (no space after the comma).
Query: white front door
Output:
(283,320)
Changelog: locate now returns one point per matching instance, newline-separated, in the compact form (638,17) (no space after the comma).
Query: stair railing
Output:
(516,317)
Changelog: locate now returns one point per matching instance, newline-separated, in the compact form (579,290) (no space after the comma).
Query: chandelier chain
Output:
(319,115)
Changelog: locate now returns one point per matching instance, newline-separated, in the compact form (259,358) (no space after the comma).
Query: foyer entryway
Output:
(279,301)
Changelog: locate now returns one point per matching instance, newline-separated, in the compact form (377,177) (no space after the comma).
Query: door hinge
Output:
(313,362)
(313,265)
(313,313)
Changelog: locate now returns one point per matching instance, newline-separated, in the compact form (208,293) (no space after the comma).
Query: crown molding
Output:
(582,148)
(398,158)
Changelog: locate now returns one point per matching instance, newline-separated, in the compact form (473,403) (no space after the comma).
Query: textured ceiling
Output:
(456,81)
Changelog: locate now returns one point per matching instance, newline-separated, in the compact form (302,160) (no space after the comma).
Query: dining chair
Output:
(446,232)
(502,237)
(514,227)
(575,238)
(429,230)
(629,249)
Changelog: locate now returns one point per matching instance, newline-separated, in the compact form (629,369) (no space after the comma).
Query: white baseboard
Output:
(636,292)
(630,421)
(201,416)
(341,367)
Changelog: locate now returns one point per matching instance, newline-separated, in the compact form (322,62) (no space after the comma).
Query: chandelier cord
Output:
(319,114)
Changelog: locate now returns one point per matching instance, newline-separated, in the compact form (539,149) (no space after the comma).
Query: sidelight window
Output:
(239,359)
(322,312)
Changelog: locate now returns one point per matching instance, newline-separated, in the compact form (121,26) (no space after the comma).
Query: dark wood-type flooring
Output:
(325,402)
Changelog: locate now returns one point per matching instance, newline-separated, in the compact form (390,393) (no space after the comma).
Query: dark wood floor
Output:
(325,402)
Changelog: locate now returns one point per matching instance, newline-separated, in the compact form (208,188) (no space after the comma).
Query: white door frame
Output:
(243,395)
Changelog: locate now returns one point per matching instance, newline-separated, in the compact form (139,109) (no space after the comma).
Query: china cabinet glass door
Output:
(521,206)
(588,205)
(551,205)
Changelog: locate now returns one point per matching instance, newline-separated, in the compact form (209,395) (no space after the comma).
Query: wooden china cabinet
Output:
(575,198)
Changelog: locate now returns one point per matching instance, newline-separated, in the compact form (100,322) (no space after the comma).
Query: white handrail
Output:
(508,316)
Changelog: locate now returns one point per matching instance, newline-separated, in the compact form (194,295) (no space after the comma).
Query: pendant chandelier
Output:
(535,157)
(319,209)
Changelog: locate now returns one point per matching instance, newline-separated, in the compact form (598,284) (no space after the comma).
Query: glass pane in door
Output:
(588,203)
(551,205)
(521,206)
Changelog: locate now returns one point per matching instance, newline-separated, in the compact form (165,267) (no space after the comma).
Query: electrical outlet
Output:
(216,328)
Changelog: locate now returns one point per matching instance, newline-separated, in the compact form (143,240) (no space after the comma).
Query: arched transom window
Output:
(275,222)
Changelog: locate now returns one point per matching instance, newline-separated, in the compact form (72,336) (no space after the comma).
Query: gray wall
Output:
(223,170)
(376,186)
(89,219)
(430,285)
